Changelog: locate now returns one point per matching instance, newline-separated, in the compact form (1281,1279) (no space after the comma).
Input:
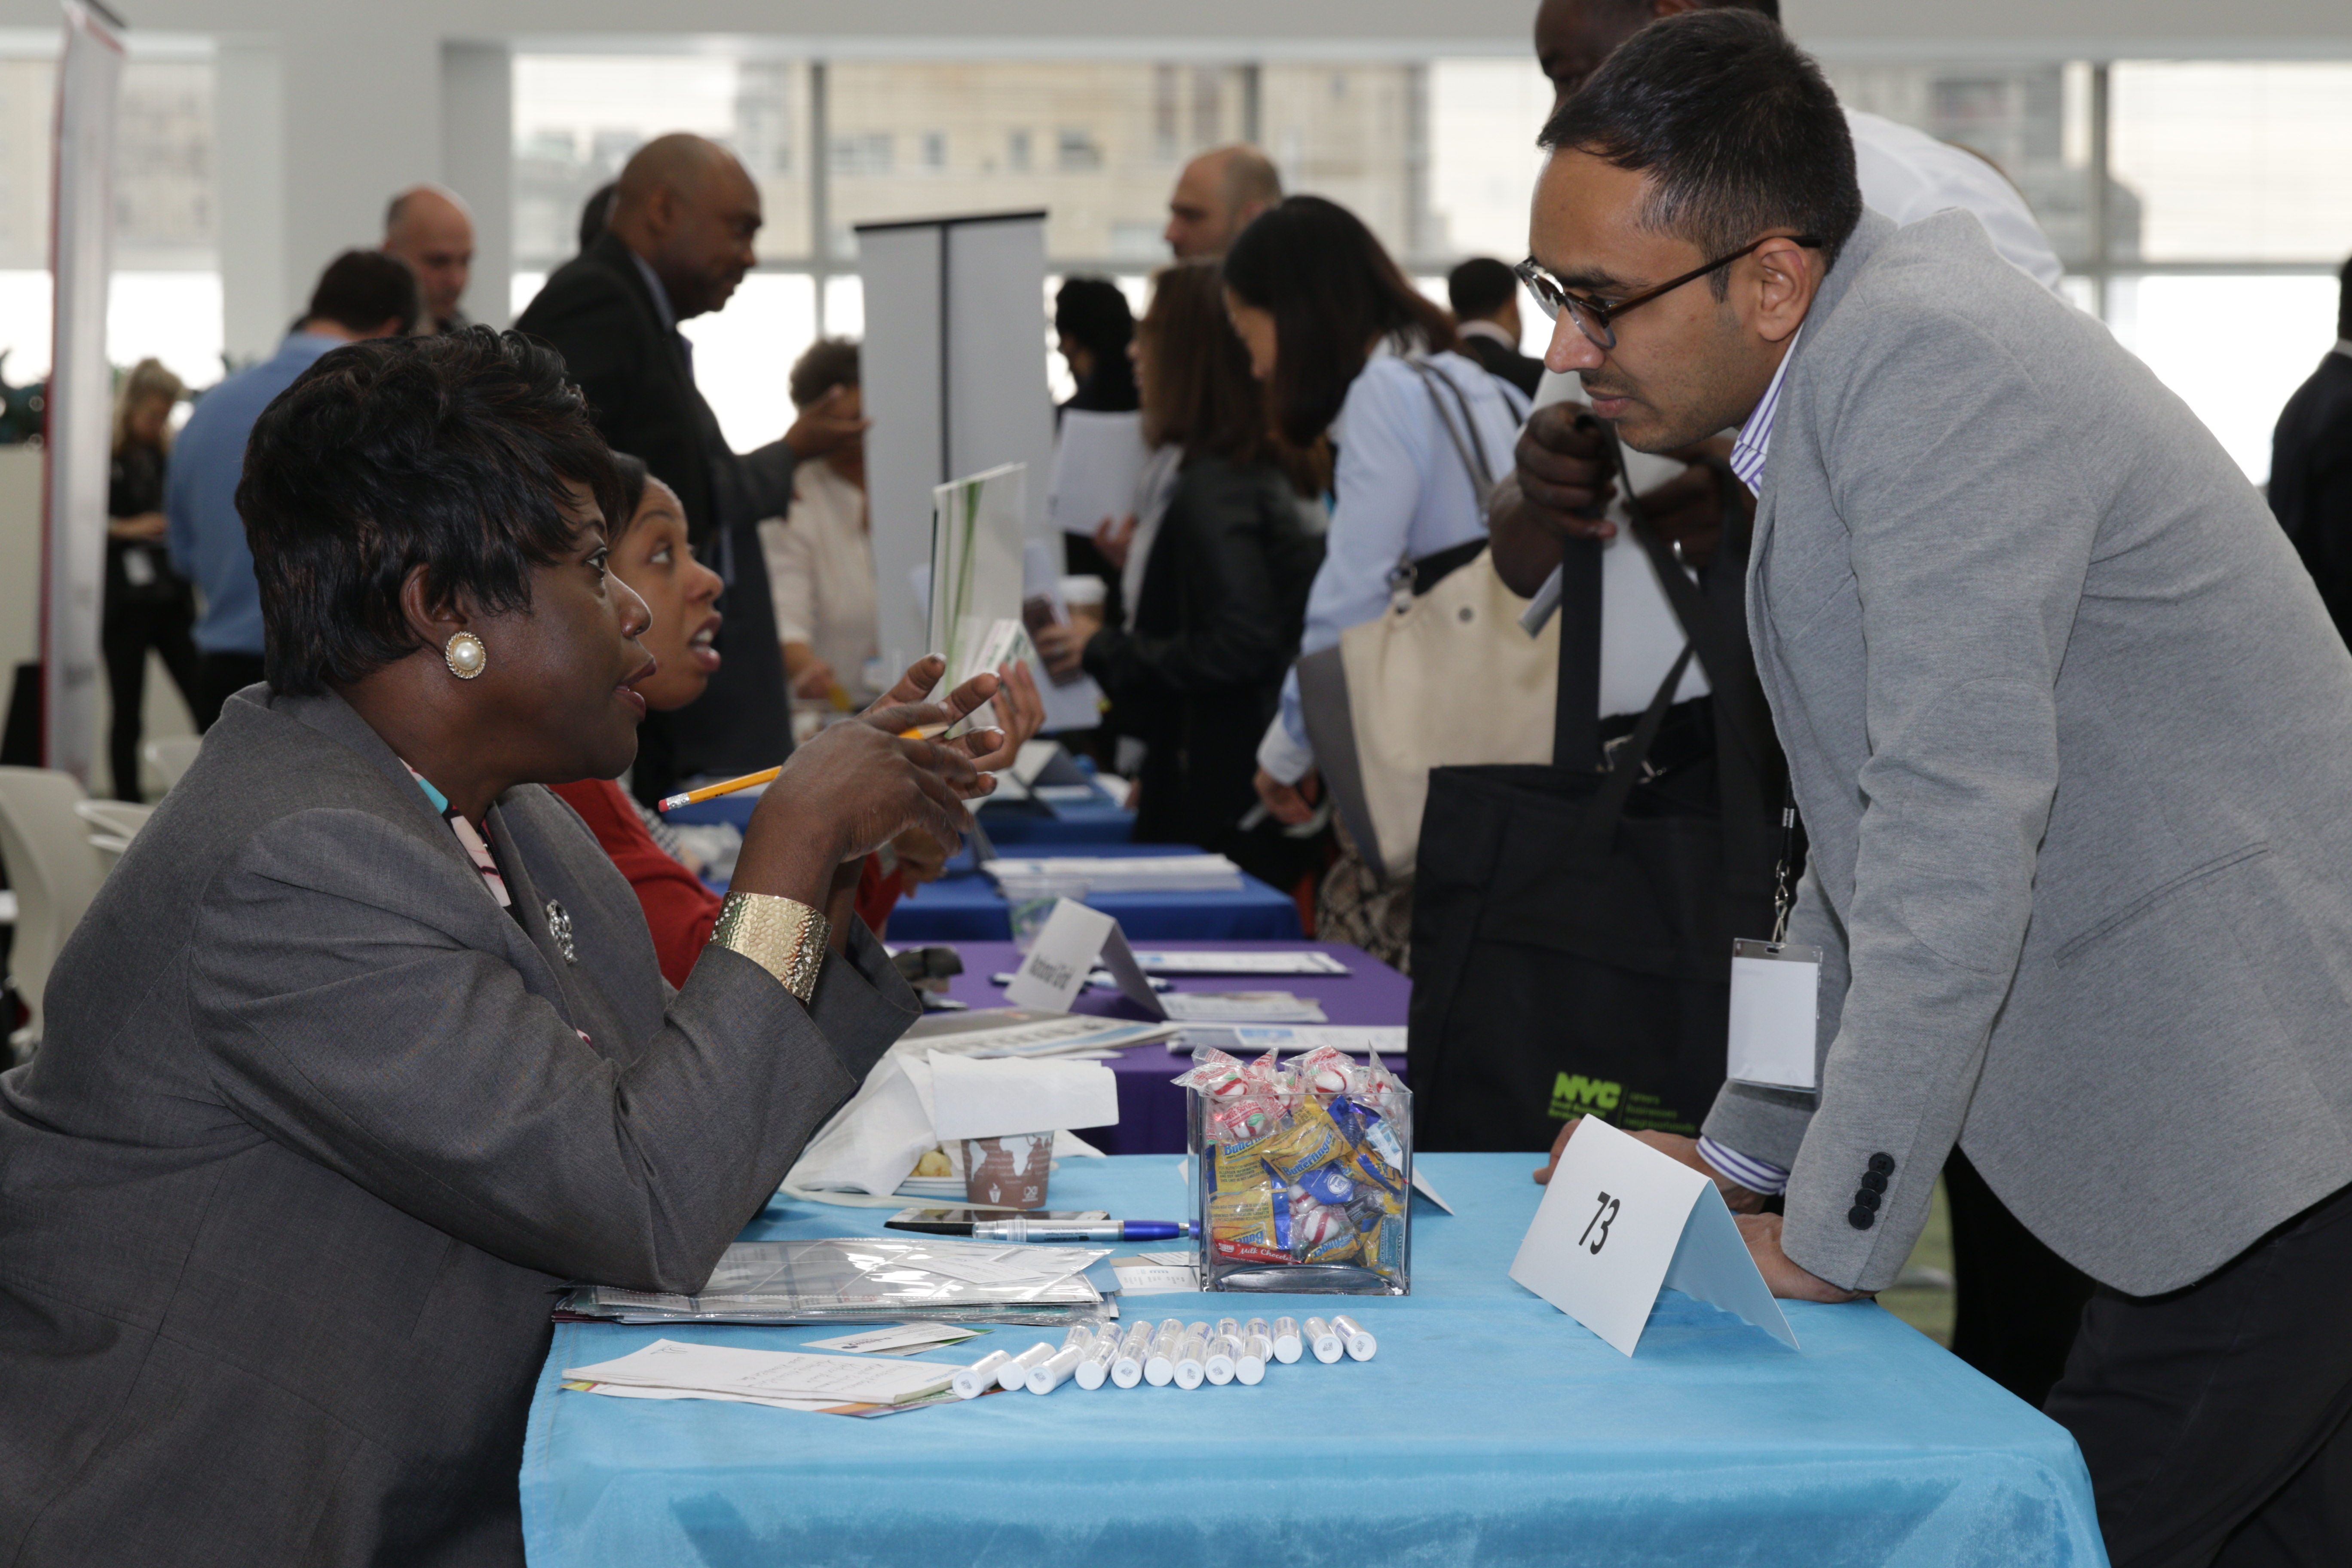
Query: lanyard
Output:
(1784,894)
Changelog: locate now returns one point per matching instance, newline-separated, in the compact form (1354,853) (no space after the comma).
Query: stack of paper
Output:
(1249,961)
(1028,1032)
(1126,873)
(865,1280)
(1254,1040)
(1241,1007)
(787,1380)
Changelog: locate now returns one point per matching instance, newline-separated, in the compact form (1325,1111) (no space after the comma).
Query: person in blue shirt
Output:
(362,294)
(1353,355)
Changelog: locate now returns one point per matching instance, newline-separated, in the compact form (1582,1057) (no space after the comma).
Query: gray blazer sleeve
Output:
(342,981)
(1970,537)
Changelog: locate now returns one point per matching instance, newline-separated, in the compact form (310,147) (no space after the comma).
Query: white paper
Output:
(982,1097)
(870,1144)
(781,1374)
(623,1391)
(1097,467)
(1155,1280)
(1036,1268)
(1256,1040)
(1616,1219)
(1421,1185)
(1057,963)
(1170,1259)
(1127,873)
(1775,1013)
(904,1339)
(1311,961)
(1222,1006)
(975,578)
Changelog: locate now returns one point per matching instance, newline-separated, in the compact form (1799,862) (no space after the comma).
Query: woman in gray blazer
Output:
(361,1052)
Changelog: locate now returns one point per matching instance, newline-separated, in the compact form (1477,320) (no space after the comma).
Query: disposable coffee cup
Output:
(1009,1171)
(1083,593)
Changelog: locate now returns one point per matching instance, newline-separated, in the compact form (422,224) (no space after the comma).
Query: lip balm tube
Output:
(971,1382)
(1015,1373)
(1361,1345)
(1055,1370)
(1191,1356)
(1321,1340)
(1160,1367)
(1229,1327)
(1286,1340)
(1128,1370)
(1094,1371)
(1255,1326)
(1082,1335)
(1224,1351)
(1250,1365)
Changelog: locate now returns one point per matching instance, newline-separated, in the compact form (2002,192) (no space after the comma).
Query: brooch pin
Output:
(559,926)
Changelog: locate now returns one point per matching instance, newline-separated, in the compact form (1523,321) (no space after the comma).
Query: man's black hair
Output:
(1332,291)
(1479,288)
(362,290)
(1735,126)
(1094,311)
(451,453)
(2344,303)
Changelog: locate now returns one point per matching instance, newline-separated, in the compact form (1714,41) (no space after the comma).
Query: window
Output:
(1075,151)
(165,300)
(935,149)
(1017,151)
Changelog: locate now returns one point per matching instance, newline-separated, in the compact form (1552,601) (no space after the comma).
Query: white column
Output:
(250,166)
(478,162)
(363,96)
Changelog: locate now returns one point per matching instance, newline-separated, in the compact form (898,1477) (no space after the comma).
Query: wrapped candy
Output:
(1326,1070)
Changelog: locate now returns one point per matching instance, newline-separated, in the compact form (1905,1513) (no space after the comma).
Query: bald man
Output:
(1215,198)
(429,228)
(677,242)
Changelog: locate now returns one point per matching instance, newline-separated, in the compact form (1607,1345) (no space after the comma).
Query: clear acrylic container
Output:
(1274,1212)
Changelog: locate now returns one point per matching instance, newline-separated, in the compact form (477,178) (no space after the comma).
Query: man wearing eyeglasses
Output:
(2018,1302)
(2072,733)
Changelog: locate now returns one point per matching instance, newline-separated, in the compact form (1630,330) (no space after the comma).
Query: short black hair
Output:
(825,365)
(362,290)
(1094,311)
(1736,127)
(2344,303)
(1332,291)
(1480,288)
(449,453)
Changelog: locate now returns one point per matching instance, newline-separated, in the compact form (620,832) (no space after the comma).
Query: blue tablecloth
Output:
(965,906)
(1101,820)
(1490,1430)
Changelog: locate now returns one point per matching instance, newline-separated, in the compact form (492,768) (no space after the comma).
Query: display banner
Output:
(78,439)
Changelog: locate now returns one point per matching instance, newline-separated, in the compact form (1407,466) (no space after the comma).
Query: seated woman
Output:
(1222,593)
(650,554)
(360,1053)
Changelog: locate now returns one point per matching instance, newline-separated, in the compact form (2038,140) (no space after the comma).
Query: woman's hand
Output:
(1289,805)
(1063,647)
(850,790)
(1115,539)
(1019,711)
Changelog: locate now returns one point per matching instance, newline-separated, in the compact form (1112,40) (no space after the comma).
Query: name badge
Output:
(1775,1014)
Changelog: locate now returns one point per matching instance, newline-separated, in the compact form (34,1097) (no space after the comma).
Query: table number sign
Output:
(1072,942)
(1622,1222)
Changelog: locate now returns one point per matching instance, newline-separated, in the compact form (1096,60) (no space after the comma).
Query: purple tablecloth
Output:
(1150,1107)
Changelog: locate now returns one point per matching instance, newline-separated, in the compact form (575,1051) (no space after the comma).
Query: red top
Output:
(681,909)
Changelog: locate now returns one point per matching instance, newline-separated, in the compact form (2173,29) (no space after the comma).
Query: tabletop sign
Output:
(1622,1222)
(1072,942)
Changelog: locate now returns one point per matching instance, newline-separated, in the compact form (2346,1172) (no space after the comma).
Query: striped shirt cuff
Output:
(1756,1175)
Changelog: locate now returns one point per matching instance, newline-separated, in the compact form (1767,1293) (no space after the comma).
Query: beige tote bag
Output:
(1444,678)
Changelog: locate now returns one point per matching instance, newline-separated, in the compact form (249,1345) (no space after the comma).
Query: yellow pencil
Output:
(768,775)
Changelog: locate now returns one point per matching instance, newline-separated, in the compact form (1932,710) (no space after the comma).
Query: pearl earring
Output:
(464,656)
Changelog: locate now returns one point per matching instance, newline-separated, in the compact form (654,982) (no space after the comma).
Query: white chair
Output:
(54,872)
(113,824)
(171,756)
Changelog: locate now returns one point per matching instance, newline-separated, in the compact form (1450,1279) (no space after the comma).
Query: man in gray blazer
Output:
(2072,735)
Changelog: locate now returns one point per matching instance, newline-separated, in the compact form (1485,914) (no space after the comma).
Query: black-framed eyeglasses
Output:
(1593,317)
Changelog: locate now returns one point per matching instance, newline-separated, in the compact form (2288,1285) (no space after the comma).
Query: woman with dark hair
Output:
(651,554)
(362,1053)
(1218,579)
(1092,327)
(1353,355)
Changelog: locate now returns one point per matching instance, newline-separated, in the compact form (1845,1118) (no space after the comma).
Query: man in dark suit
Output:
(1486,300)
(678,242)
(2311,469)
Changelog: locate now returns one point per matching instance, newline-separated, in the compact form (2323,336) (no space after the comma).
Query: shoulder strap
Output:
(1466,437)
(1576,707)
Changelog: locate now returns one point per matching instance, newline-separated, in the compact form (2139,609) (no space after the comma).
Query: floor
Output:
(1923,1296)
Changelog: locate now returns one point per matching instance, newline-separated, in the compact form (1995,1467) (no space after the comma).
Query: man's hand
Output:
(1689,510)
(1564,478)
(1674,1147)
(1785,1280)
(825,424)
(1289,805)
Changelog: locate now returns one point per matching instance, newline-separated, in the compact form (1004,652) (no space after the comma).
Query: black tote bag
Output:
(1572,929)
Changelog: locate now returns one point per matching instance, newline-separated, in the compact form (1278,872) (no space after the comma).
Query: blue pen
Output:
(1020,1227)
